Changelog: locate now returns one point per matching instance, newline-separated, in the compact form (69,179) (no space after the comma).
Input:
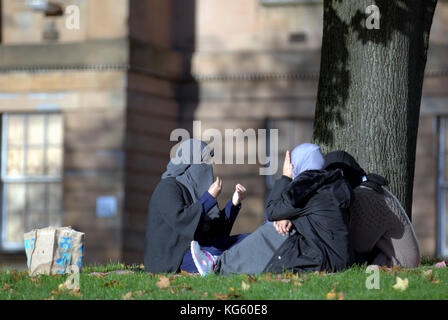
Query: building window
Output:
(291,133)
(442,188)
(31,170)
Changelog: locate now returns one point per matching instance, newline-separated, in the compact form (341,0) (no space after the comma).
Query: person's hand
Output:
(238,195)
(283,226)
(287,165)
(215,188)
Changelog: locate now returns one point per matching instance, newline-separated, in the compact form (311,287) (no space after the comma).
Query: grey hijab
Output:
(189,169)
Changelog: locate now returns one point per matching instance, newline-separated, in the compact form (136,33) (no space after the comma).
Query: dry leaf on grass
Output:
(330,295)
(163,283)
(36,281)
(244,286)
(127,296)
(114,283)
(130,294)
(75,292)
(401,284)
(69,284)
(335,295)
(251,279)
(7,287)
(427,273)
(225,296)
(433,280)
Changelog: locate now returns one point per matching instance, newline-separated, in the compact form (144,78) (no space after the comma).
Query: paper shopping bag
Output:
(54,250)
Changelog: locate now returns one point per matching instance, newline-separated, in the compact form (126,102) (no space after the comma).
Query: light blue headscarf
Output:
(305,157)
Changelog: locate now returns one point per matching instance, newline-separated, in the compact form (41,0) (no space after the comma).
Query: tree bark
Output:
(370,86)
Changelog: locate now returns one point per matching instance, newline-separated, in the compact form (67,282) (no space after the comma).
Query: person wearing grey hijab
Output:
(193,171)
(183,207)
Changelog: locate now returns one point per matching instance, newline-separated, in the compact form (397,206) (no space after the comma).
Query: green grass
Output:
(349,284)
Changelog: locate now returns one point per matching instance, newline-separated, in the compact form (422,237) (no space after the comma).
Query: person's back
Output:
(380,230)
(378,221)
(171,212)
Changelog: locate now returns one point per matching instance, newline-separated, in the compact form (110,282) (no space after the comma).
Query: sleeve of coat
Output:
(210,228)
(175,212)
(278,206)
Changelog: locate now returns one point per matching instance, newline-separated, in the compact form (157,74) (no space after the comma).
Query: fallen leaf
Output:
(138,293)
(204,294)
(185,273)
(330,295)
(127,296)
(163,283)
(433,280)
(251,278)
(51,298)
(62,287)
(401,285)
(341,296)
(427,273)
(225,296)
(114,283)
(75,292)
(7,287)
(17,276)
(244,286)
(97,274)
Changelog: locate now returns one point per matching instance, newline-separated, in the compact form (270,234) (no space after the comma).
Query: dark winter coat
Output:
(317,204)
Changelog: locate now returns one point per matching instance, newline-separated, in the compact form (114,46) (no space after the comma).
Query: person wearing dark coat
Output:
(380,229)
(183,208)
(315,202)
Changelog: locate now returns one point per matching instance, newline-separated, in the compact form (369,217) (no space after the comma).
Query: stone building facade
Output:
(103,99)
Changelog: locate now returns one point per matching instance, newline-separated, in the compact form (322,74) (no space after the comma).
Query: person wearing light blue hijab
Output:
(306,156)
(302,179)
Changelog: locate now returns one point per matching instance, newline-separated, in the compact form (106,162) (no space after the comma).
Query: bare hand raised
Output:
(287,165)
(238,195)
(215,188)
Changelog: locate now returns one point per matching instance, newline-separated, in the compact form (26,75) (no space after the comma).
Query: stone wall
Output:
(92,104)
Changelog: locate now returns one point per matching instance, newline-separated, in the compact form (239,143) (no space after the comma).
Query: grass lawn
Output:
(100,282)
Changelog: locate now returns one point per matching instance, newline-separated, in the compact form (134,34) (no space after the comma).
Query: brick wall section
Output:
(150,119)
(93,107)
(424,196)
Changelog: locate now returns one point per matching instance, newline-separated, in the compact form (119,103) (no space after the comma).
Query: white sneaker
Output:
(204,260)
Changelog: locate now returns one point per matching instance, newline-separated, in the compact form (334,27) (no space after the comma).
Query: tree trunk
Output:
(370,86)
